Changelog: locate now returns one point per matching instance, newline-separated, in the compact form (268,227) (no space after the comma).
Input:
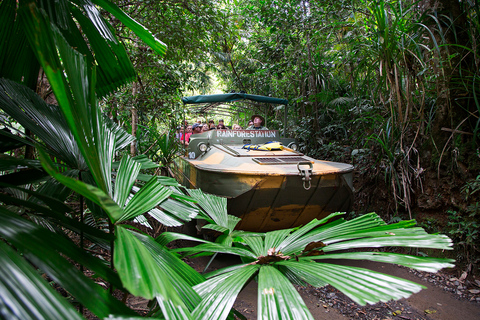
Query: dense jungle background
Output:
(91,98)
(390,86)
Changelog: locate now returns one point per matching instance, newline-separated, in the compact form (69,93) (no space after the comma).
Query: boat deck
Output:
(234,159)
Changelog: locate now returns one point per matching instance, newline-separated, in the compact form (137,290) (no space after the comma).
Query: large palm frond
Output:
(297,255)
(82,25)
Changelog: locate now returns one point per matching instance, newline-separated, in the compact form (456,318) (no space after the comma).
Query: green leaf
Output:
(139,30)
(167,237)
(219,293)
(257,245)
(138,270)
(179,209)
(420,263)
(94,194)
(164,218)
(273,239)
(56,205)
(145,162)
(215,227)
(214,247)
(76,98)
(361,285)
(215,207)
(182,276)
(126,175)
(46,121)
(278,298)
(434,241)
(43,249)
(166,181)
(11,163)
(114,66)
(57,216)
(178,194)
(53,191)
(294,243)
(149,196)
(172,311)
(9,142)
(25,295)
(17,61)
(122,137)
(12,139)
(23,177)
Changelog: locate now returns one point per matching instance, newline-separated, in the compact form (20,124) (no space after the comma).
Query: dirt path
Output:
(327,303)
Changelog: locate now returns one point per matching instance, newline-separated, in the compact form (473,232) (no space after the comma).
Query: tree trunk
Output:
(312,84)
(133,145)
(29,150)
(454,102)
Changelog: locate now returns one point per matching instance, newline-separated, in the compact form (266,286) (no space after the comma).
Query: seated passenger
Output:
(236,127)
(258,122)
(185,138)
(221,126)
(196,129)
(178,132)
(220,122)
(205,127)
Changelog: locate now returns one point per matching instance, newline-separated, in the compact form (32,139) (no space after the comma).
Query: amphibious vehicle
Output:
(269,188)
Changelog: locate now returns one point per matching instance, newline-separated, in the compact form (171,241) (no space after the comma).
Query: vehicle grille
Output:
(281,160)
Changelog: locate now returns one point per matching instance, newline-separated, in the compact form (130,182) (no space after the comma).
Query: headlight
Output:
(293,146)
(202,147)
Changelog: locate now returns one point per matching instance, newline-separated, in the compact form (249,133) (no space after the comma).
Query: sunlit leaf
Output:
(183,276)
(139,30)
(427,264)
(126,175)
(361,285)
(149,196)
(135,264)
(278,298)
(219,293)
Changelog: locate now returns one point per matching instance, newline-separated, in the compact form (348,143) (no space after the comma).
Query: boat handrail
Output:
(235,153)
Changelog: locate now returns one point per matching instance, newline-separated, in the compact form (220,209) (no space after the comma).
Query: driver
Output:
(258,122)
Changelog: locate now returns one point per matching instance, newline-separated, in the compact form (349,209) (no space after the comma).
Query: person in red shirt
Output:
(186,138)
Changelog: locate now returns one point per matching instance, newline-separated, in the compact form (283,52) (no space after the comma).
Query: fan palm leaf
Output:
(45,121)
(135,263)
(17,61)
(278,298)
(292,252)
(42,248)
(227,286)
(103,48)
(25,295)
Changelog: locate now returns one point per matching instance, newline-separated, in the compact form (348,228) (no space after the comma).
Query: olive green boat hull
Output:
(271,201)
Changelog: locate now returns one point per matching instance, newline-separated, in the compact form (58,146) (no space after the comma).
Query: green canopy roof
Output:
(231,97)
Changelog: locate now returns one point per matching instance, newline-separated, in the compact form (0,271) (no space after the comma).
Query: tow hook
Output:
(306,174)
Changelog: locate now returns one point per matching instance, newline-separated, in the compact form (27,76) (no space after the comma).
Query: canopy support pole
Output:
(184,128)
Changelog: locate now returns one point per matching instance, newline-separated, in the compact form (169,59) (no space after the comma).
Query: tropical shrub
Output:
(278,259)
